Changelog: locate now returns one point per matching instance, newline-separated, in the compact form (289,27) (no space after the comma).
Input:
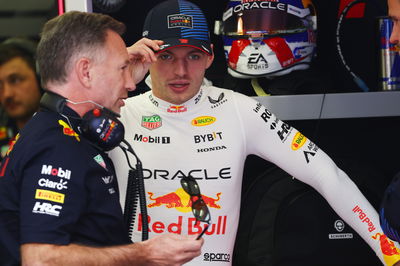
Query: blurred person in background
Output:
(20,89)
(390,206)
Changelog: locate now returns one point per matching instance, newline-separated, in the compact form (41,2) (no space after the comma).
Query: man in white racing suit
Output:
(186,127)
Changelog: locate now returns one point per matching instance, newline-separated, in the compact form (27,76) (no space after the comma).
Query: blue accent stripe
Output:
(200,28)
(297,37)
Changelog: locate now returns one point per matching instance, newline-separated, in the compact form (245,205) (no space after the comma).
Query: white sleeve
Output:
(283,145)
(122,170)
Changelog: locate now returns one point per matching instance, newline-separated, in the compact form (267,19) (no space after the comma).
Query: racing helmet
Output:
(267,38)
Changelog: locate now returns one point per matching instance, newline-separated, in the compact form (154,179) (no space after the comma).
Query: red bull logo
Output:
(170,200)
(390,253)
(109,131)
(180,200)
(364,218)
(177,109)
(191,224)
(67,130)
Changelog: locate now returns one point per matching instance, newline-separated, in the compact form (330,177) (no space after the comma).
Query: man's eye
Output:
(194,57)
(15,79)
(164,56)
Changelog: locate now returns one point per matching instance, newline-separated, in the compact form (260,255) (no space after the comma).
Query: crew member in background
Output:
(20,90)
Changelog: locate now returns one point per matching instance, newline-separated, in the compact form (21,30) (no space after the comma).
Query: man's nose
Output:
(130,84)
(180,67)
(7,91)
(395,36)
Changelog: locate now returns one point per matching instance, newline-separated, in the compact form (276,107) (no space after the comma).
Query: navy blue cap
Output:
(178,23)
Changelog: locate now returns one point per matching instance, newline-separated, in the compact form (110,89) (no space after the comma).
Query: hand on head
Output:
(141,56)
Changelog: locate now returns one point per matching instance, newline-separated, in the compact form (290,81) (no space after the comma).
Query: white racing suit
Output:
(209,138)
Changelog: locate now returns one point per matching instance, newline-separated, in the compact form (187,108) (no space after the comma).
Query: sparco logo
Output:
(223,257)
(152,100)
(150,139)
(197,99)
(49,170)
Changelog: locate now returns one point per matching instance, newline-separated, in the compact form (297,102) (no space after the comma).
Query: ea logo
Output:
(256,58)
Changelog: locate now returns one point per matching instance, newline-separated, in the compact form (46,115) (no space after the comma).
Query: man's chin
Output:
(15,115)
(116,111)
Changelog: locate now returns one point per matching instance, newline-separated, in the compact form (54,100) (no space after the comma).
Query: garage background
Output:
(296,227)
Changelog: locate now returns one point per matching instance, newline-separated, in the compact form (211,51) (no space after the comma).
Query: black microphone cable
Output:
(360,83)
(135,190)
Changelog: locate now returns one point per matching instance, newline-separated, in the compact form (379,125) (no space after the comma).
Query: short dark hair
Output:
(68,35)
(19,47)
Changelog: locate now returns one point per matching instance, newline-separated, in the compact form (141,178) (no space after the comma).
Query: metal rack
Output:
(334,105)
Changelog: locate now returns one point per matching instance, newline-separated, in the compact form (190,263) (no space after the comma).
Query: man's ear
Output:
(210,58)
(82,70)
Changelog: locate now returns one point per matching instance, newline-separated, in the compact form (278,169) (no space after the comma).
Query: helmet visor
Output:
(263,22)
